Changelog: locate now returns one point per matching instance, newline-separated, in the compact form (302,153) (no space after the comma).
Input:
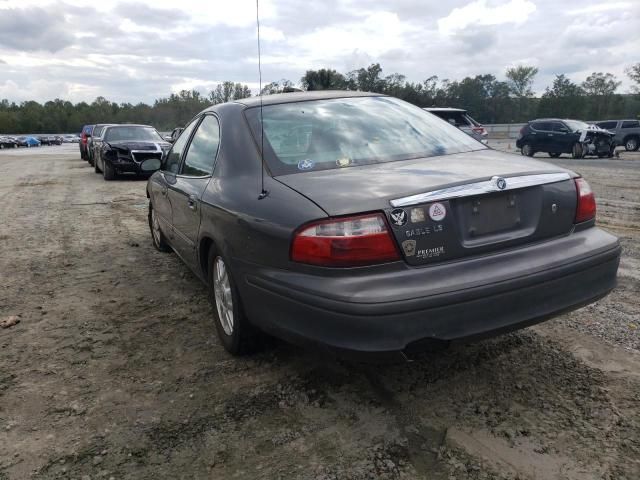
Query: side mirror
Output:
(151,165)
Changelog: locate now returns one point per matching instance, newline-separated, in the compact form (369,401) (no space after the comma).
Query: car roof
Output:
(444,109)
(128,125)
(557,120)
(620,120)
(303,97)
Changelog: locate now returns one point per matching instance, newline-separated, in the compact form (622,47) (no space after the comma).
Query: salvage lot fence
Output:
(504,130)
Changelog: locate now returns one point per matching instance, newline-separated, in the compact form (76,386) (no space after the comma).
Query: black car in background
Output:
(87,130)
(369,225)
(123,148)
(556,136)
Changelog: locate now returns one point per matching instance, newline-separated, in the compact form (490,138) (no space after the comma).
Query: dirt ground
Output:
(115,372)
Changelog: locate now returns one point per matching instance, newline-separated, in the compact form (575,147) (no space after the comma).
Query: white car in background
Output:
(461,119)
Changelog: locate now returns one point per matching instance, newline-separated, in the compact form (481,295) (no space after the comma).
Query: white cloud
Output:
(479,13)
(126,51)
(378,33)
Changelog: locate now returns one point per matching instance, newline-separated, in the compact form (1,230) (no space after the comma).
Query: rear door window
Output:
(631,124)
(174,158)
(544,126)
(457,119)
(608,125)
(203,149)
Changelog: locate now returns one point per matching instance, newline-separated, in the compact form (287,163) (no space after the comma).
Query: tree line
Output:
(487,98)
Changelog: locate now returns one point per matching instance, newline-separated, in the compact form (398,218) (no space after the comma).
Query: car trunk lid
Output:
(464,211)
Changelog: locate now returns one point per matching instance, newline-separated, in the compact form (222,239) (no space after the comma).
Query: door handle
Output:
(192,202)
(549,134)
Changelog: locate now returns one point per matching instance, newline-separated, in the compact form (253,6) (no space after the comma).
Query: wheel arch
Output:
(204,247)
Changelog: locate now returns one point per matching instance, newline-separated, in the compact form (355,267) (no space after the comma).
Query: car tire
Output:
(527,150)
(577,151)
(108,172)
(554,154)
(237,335)
(631,144)
(157,237)
(1,146)
(95,168)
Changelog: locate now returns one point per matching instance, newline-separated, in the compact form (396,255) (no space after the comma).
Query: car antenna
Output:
(263,192)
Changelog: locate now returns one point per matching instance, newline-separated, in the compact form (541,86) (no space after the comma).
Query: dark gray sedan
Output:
(371,225)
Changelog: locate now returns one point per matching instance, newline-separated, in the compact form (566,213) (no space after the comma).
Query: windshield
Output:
(125,134)
(575,125)
(344,132)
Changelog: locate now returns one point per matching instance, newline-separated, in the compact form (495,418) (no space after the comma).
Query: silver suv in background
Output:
(461,119)
(627,132)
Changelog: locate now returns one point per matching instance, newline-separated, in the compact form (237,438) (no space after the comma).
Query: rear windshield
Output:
(124,134)
(345,132)
(458,119)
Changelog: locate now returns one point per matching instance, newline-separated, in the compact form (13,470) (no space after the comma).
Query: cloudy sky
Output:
(131,51)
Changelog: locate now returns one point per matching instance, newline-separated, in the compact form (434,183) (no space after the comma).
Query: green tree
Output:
(281,86)
(367,79)
(227,91)
(601,87)
(633,72)
(520,81)
(563,99)
(323,79)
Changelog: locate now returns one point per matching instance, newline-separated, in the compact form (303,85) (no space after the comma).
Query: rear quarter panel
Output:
(247,229)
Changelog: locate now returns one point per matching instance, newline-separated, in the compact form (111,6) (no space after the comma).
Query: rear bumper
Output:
(402,308)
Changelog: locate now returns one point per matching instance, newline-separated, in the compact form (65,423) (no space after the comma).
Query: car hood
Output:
(372,187)
(137,145)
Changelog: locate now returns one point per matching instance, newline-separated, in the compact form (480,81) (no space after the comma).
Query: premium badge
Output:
(409,247)
(398,217)
(437,212)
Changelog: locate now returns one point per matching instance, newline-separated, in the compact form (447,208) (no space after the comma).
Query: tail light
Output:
(480,131)
(345,242)
(586,209)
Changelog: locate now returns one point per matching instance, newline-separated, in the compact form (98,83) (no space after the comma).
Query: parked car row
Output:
(36,141)
(115,149)
(22,141)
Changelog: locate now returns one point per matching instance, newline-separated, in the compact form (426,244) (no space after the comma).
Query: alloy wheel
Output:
(222,292)
(631,144)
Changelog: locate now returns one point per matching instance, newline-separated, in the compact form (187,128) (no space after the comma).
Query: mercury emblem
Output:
(499,182)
